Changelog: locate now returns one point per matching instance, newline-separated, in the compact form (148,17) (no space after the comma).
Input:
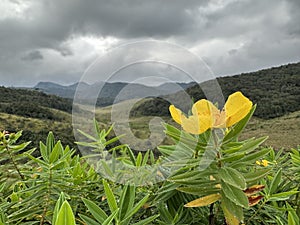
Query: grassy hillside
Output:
(36,114)
(275,90)
(36,130)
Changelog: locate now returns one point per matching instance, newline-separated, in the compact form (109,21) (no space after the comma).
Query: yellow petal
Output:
(190,124)
(206,111)
(203,201)
(196,124)
(204,107)
(236,107)
(176,114)
(265,162)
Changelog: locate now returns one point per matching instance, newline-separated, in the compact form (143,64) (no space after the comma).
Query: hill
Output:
(275,90)
(36,114)
(110,92)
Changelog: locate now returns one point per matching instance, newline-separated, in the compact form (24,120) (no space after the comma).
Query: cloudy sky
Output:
(57,40)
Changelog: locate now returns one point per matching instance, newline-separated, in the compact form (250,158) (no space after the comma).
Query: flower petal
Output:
(204,107)
(176,114)
(236,107)
(195,124)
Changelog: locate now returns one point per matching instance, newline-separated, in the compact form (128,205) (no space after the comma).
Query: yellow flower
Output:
(263,162)
(206,115)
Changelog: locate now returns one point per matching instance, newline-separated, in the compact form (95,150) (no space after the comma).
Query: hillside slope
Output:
(36,114)
(276,91)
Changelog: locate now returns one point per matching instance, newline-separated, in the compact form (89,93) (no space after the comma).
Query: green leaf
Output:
(110,197)
(65,215)
(232,157)
(233,177)
(293,218)
(131,156)
(233,213)
(55,153)
(146,157)
(199,190)
(88,220)
(50,143)
(282,196)
(146,221)
(43,151)
(253,156)
(110,218)
(252,177)
(252,144)
(235,195)
(274,184)
(126,200)
(139,159)
(57,207)
(136,207)
(96,211)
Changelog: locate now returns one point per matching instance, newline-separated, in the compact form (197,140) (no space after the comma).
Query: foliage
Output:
(207,178)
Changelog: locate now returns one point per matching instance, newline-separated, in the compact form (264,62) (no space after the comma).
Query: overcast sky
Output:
(56,40)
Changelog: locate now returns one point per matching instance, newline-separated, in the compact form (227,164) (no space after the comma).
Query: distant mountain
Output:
(110,92)
(57,89)
(276,91)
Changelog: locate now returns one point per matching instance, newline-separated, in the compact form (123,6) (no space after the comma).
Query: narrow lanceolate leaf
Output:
(235,195)
(110,197)
(110,218)
(276,180)
(57,207)
(233,177)
(230,218)
(253,156)
(204,201)
(256,175)
(234,209)
(146,221)
(136,207)
(95,210)
(65,215)
(252,144)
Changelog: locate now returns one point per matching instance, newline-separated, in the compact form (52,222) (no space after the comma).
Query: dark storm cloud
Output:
(34,55)
(43,42)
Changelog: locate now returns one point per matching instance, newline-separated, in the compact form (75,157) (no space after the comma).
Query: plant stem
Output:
(211,218)
(14,163)
(256,212)
(47,196)
(216,146)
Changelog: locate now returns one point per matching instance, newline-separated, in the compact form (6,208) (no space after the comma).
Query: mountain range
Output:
(110,92)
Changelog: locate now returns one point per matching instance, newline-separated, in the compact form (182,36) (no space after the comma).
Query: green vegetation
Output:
(275,90)
(198,179)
